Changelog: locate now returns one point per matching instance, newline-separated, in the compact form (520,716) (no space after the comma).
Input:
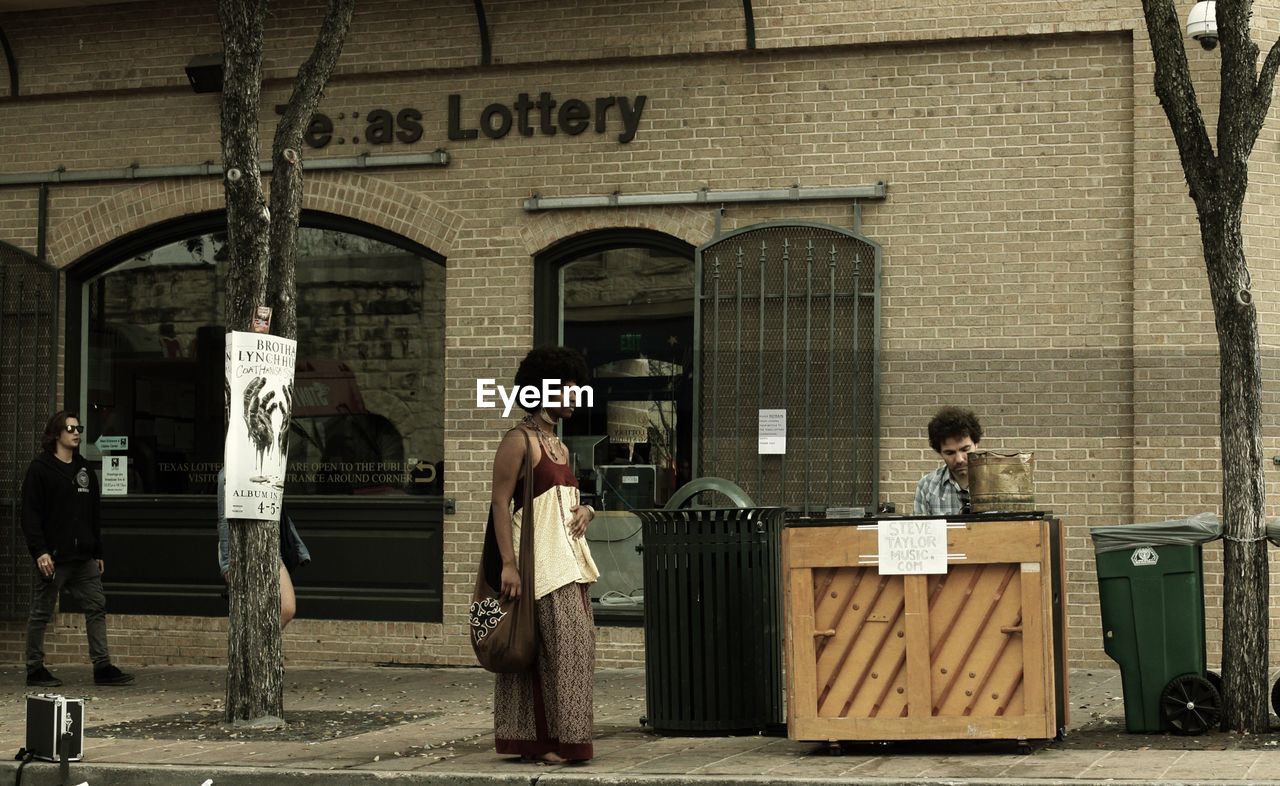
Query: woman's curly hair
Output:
(558,363)
(953,423)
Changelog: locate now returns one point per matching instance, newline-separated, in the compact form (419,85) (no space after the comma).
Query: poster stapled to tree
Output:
(259,398)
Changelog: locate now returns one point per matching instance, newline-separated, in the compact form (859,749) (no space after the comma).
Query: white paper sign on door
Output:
(259,391)
(773,432)
(115,476)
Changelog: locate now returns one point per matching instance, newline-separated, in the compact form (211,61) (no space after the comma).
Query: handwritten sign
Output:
(773,432)
(912,547)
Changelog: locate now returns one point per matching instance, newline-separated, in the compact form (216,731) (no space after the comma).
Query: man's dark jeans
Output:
(84,581)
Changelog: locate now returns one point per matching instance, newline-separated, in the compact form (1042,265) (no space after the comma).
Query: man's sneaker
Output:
(41,678)
(110,675)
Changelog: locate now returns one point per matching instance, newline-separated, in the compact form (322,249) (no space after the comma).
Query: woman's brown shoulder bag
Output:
(504,632)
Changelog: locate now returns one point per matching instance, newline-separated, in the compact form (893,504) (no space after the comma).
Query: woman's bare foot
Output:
(546,758)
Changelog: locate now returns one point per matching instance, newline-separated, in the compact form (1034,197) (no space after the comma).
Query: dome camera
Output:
(1202,24)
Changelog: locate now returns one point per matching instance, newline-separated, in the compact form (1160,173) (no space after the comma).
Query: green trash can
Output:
(1151,590)
(1273,535)
(713,619)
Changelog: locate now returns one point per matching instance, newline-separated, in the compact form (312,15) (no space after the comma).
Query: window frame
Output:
(548,314)
(103,259)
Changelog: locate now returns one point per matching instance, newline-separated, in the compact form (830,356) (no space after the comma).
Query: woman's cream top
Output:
(559,558)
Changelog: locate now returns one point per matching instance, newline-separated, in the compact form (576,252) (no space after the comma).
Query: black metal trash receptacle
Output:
(713,619)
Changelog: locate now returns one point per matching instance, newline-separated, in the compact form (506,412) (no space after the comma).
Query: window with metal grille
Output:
(28,376)
(788,319)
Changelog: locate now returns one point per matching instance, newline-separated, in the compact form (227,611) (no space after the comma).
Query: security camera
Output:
(1202,24)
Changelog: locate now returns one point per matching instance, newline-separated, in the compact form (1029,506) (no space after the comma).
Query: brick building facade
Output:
(1041,259)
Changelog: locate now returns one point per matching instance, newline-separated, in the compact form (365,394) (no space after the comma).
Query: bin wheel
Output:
(1190,704)
(1275,697)
(1216,679)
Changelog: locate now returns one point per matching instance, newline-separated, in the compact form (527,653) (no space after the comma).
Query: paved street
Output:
(432,725)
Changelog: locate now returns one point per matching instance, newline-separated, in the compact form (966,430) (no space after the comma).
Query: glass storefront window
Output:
(630,311)
(369,385)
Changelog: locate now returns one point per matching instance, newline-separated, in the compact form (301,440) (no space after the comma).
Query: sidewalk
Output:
(394,726)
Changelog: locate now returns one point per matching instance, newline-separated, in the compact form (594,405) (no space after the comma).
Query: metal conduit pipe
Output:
(794,194)
(208,169)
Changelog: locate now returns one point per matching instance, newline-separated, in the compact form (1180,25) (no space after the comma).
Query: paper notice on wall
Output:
(259,397)
(912,547)
(773,431)
(115,476)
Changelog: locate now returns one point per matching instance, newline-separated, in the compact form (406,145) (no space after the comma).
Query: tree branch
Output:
(314,74)
(286,158)
(1266,83)
(1177,94)
(1239,120)
(247,219)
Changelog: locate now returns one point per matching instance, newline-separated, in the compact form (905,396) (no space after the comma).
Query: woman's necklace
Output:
(551,444)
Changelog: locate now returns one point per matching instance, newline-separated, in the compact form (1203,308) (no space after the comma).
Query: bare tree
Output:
(262,244)
(1218,181)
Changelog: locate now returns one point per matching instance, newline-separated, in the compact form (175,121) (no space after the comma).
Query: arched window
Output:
(625,299)
(369,401)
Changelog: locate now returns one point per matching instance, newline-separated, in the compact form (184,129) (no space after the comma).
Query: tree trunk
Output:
(255,661)
(1245,586)
(1219,181)
(262,244)
(255,670)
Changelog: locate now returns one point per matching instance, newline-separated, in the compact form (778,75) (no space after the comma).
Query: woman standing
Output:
(546,713)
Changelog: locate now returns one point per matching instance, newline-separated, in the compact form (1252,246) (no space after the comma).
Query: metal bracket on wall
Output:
(450,506)
(795,193)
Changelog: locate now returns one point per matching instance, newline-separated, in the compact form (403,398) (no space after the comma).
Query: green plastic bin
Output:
(1151,590)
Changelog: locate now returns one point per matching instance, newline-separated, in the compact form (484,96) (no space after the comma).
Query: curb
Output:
(41,773)
(46,774)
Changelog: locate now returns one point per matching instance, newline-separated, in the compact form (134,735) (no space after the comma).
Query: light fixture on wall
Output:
(1202,24)
(205,73)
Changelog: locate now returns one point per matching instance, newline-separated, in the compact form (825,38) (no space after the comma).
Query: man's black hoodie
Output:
(60,509)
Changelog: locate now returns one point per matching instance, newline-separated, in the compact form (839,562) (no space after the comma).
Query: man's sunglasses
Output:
(74,429)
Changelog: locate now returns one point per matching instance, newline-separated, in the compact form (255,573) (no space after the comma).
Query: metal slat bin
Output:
(713,619)
(977,652)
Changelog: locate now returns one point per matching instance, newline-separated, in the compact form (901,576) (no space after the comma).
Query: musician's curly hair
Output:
(953,423)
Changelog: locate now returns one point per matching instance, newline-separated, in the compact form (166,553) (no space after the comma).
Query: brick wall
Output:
(1041,260)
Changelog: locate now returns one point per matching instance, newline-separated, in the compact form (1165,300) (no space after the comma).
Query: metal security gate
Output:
(28,379)
(788,318)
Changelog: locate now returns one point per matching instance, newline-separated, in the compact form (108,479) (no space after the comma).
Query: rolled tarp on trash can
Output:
(1151,594)
(1198,529)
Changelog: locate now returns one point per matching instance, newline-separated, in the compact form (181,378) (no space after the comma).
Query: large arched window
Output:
(625,298)
(368,413)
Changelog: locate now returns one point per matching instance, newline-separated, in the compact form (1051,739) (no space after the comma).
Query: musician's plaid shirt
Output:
(938,494)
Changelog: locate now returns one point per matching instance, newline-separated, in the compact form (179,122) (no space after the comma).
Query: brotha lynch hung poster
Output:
(259,398)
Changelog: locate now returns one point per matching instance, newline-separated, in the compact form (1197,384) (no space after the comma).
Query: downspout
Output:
(749,20)
(12,62)
(42,224)
(486,45)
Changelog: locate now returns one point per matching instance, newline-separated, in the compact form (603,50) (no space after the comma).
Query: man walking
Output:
(60,521)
